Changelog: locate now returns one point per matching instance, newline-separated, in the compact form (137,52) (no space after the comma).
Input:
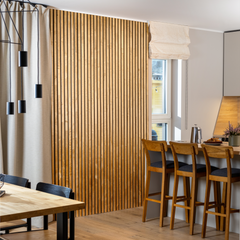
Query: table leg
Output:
(72,225)
(62,226)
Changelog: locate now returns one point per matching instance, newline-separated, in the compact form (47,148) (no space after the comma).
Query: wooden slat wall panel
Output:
(99,109)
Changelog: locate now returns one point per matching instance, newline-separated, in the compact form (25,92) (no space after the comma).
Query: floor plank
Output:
(124,224)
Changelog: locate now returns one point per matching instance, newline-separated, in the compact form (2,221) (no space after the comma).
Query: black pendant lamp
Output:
(21,106)
(22,59)
(10,104)
(22,55)
(21,103)
(10,108)
(22,62)
(38,86)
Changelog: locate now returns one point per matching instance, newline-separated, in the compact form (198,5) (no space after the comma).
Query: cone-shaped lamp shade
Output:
(22,59)
(10,108)
(38,90)
(21,106)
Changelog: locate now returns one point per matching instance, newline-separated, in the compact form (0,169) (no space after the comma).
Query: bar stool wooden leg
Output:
(216,199)
(193,200)
(174,200)
(222,220)
(146,196)
(186,187)
(206,203)
(162,199)
(167,181)
(228,210)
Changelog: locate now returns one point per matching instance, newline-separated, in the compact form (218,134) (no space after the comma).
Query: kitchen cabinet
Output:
(231,83)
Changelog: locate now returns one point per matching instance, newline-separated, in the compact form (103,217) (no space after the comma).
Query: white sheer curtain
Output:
(26,138)
(1,154)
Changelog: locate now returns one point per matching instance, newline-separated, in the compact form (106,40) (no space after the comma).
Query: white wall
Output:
(202,93)
(201,98)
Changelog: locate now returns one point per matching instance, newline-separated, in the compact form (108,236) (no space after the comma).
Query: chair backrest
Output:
(55,189)
(217,152)
(155,151)
(22,182)
(184,149)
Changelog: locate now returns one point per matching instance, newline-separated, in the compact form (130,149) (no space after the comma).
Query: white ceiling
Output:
(218,15)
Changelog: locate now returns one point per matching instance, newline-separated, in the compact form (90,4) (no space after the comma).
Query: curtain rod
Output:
(31,3)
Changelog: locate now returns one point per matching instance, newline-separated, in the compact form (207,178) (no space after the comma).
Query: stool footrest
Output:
(214,202)
(216,213)
(154,194)
(183,199)
(153,200)
(199,203)
(233,210)
(214,206)
(181,206)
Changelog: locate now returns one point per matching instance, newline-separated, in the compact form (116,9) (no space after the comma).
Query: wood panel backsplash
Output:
(99,109)
(229,112)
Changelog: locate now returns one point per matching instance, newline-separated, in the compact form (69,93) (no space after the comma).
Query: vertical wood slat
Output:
(60,147)
(99,109)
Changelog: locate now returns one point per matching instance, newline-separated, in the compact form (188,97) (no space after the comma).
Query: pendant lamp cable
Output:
(10,75)
(12,22)
(34,5)
(22,48)
(38,44)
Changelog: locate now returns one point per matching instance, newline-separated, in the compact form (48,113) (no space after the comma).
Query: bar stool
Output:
(227,176)
(156,162)
(194,171)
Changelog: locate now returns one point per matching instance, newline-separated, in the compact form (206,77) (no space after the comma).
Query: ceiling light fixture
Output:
(22,57)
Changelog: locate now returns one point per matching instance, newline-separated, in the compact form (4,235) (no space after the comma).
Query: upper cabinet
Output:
(232,63)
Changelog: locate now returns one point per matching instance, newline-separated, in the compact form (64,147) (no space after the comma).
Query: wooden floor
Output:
(124,224)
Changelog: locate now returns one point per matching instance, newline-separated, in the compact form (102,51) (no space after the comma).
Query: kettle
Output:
(196,134)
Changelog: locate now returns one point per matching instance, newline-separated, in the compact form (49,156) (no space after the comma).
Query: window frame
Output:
(161,118)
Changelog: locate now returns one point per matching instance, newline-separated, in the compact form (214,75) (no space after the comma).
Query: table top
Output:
(236,150)
(19,202)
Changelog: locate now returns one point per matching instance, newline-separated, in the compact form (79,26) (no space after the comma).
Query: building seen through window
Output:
(159,96)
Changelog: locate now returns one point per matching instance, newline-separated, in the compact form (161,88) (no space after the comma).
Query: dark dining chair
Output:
(59,191)
(22,182)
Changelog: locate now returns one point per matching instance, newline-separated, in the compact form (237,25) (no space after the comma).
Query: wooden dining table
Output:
(19,202)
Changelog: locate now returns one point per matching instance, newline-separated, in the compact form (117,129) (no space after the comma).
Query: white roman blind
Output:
(169,41)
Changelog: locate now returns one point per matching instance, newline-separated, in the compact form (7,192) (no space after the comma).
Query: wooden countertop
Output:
(235,149)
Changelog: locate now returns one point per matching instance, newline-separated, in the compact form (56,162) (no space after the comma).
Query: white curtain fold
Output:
(26,138)
(169,41)
(1,152)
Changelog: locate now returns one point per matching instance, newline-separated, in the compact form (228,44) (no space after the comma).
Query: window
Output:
(160,82)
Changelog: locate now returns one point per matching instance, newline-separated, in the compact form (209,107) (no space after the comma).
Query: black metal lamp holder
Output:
(22,56)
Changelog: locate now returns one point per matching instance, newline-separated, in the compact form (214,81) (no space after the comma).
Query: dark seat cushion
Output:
(223,172)
(200,168)
(169,163)
(156,156)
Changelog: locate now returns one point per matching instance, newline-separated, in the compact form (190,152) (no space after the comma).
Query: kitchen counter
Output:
(236,150)
(155,186)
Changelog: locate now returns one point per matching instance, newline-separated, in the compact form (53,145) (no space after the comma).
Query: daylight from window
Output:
(159,103)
